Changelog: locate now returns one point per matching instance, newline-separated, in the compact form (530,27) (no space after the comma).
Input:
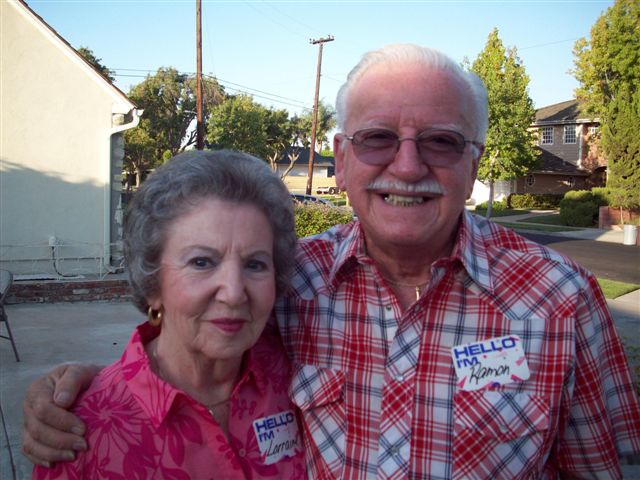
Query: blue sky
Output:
(263,47)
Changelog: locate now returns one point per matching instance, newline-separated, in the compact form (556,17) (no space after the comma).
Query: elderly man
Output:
(429,343)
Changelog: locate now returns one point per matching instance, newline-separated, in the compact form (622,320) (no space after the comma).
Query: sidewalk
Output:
(49,334)
(613,236)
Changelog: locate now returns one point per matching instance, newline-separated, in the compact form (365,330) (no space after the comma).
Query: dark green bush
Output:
(312,219)
(544,201)
(579,208)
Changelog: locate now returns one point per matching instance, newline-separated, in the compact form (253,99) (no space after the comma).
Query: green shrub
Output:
(578,209)
(497,206)
(544,201)
(312,219)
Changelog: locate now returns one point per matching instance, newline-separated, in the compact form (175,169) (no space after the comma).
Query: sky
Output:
(263,47)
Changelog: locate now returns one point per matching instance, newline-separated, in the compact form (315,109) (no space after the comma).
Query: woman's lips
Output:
(228,325)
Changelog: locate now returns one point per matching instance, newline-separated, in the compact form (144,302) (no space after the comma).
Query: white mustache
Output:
(424,186)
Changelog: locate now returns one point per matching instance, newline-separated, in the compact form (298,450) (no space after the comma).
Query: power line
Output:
(227,84)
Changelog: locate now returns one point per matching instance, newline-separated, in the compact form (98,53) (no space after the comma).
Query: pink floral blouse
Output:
(140,427)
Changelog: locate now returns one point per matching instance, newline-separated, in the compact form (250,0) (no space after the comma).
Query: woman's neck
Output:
(205,380)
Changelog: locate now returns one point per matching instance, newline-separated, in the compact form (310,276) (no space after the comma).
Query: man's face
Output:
(407,100)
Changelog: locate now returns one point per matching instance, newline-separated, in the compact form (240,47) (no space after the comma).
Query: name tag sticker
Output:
(490,363)
(277,436)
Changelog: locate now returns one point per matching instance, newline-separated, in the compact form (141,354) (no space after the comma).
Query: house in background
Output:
(568,159)
(61,150)
(296,179)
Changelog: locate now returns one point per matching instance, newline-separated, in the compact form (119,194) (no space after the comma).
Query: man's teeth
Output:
(401,200)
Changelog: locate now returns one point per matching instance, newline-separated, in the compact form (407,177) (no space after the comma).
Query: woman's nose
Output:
(232,287)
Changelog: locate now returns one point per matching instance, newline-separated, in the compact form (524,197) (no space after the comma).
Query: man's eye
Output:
(440,142)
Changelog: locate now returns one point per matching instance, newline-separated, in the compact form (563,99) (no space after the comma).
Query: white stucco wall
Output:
(56,119)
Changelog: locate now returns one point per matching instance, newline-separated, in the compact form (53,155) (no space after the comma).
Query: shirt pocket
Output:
(498,434)
(318,393)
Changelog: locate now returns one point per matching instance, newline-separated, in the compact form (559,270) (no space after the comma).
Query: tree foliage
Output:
(325,123)
(96,63)
(240,123)
(169,102)
(621,141)
(608,69)
(509,147)
(609,61)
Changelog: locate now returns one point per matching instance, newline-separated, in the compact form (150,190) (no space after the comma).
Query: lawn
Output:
(613,289)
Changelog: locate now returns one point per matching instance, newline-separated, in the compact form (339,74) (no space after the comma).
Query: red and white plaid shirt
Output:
(377,386)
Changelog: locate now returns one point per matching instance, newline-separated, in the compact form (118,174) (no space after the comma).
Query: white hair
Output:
(430,58)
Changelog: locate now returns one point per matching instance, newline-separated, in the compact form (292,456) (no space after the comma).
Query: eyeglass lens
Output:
(436,147)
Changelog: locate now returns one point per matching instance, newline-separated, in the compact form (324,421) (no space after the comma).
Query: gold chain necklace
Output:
(417,287)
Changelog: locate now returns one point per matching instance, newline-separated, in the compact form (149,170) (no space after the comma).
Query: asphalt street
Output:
(611,261)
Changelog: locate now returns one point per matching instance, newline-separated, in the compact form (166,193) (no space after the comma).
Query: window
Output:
(571,182)
(570,133)
(530,180)
(593,130)
(546,137)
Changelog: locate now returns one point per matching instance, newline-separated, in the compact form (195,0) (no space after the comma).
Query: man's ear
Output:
(338,155)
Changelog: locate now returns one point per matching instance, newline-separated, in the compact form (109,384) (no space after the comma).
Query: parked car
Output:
(327,190)
(302,198)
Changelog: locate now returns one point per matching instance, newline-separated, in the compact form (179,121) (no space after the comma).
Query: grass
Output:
(537,227)
(500,213)
(544,220)
(613,289)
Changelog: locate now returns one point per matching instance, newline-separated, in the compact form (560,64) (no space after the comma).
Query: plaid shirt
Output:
(377,387)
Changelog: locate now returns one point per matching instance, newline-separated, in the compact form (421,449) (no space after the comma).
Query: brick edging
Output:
(69,291)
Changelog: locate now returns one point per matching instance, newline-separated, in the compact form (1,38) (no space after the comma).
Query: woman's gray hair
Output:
(430,58)
(177,185)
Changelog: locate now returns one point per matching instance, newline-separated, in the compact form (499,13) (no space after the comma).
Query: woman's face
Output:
(217,279)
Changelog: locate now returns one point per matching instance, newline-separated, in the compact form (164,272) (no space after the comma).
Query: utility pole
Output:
(314,121)
(200,123)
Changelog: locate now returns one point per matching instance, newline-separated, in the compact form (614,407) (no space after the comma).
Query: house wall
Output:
(55,151)
(572,153)
(545,183)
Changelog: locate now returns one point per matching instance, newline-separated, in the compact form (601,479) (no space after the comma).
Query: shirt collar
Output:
(469,249)
(155,396)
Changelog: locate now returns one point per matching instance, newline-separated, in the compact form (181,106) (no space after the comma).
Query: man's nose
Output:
(408,163)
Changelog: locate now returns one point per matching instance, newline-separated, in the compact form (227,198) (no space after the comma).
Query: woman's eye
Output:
(201,262)
(257,265)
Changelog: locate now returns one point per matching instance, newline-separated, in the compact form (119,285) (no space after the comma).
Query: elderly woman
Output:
(201,389)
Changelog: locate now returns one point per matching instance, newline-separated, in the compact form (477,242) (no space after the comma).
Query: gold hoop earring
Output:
(154,317)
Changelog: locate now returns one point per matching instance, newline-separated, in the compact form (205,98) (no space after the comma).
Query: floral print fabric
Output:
(140,427)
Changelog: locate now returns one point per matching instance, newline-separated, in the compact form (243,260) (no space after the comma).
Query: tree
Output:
(509,147)
(326,122)
(621,141)
(96,63)
(239,123)
(169,103)
(608,69)
(610,60)
(139,151)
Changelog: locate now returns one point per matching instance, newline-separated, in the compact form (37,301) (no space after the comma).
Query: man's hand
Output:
(51,433)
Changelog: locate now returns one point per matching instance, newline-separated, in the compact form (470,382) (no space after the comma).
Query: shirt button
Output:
(242,452)
(388,308)
(503,428)
(395,450)
(400,378)
(416,309)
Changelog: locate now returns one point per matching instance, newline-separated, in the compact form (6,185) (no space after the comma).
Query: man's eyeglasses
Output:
(437,147)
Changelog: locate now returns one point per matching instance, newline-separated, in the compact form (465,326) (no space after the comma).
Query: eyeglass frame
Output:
(399,140)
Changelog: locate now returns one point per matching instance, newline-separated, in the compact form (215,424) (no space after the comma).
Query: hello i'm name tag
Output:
(488,363)
(277,436)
